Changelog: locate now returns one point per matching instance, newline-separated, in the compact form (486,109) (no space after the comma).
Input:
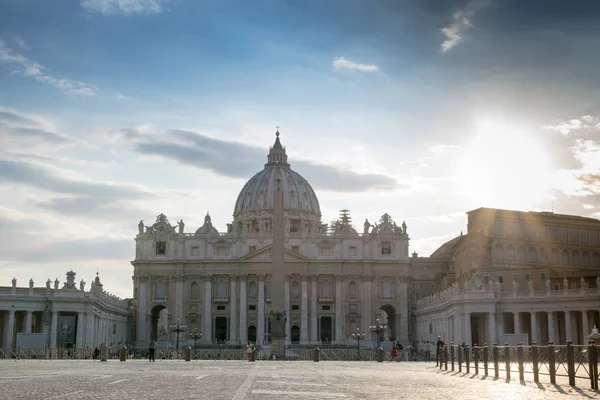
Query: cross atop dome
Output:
(277,156)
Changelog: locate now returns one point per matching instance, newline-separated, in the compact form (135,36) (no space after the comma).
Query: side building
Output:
(516,276)
(70,317)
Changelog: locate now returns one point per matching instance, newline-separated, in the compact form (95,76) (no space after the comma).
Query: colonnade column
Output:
(534,328)
(10,329)
(338,310)
(260,334)
(288,316)
(313,311)
(491,328)
(208,334)
(304,312)
(28,321)
(243,308)
(80,329)
(568,327)
(233,335)
(551,327)
(585,324)
(517,321)
(53,329)
(468,339)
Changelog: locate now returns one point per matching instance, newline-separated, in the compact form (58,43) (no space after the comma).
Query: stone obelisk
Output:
(277,316)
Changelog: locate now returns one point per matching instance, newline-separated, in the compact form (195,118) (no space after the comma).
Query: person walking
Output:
(439,351)
(151,351)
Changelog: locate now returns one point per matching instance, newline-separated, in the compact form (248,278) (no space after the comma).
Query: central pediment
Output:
(265,254)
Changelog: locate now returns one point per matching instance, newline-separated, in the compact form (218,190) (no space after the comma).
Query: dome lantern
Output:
(277,155)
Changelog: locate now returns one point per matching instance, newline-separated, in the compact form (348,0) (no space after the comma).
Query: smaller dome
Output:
(208,227)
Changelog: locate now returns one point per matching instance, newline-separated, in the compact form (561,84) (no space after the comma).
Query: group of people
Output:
(439,351)
(395,352)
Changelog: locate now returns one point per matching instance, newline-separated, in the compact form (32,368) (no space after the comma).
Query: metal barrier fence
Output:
(568,362)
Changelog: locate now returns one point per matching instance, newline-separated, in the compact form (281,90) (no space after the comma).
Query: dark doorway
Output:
(326,329)
(221,329)
(391,323)
(155,315)
(252,333)
(295,334)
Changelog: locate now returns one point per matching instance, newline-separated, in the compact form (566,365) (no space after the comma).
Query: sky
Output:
(114,111)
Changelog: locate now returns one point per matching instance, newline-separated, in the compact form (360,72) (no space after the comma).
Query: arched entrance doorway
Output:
(159,323)
(388,316)
(252,334)
(295,334)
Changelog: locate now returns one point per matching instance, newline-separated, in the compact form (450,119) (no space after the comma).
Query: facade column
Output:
(517,322)
(467,336)
(288,315)
(492,329)
(568,326)
(367,316)
(260,329)
(243,309)
(179,298)
(339,315)
(314,335)
(585,325)
(551,327)
(233,334)
(534,328)
(304,312)
(53,329)
(80,330)
(142,334)
(28,321)
(208,333)
(10,330)
(458,336)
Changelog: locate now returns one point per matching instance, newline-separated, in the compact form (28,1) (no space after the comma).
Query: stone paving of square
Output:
(238,380)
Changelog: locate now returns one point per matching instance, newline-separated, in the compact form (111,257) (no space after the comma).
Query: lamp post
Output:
(358,337)
(178,328)
(195,335)
(378,328)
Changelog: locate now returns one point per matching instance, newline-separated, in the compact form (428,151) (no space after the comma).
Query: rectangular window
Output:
(352,251)
(222,250)
(161,247)
(543,276)
(296,249)
(500,279)
(325,308)
(386,248)
(527,277)
(326,250)
(295,308)
(252,307)
(220,308)
(515,278)
(486,279)
(252,249)
(195,251)
(432,286)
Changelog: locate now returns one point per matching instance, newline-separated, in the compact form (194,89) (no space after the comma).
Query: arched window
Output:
(387,290)
(585,259)
(583,236)
(575,259)
(325,289)
(554,256)
(532,254)
(521,254)
(510,253)
(194,290)
(222,289)
(543,255)
(252,290)
(564,257)
(596,260)
(352,290)
(159,290)
(498,252)
(295,289)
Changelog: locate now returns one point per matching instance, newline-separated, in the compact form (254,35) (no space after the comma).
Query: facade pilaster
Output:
(304,312)
(467,335)
(243,310)
(517,321)
(233,335)
(10,330)
(585,325)
(339,334)
(142,333)
(260,334)
(314,335)
(492,328)
(367,315)
(208,332)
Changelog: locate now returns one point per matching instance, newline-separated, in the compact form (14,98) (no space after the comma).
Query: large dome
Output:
(256,197)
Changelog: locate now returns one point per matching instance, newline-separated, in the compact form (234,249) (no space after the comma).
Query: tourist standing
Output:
(151,351)
(427,350)
(439,348)
(393,352)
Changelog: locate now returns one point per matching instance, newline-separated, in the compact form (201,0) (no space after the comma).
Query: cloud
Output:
(344,63)
(21,129)
(21,42)
(586,122)
(455,32)
(31,69)
(125,7)
(205,152)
